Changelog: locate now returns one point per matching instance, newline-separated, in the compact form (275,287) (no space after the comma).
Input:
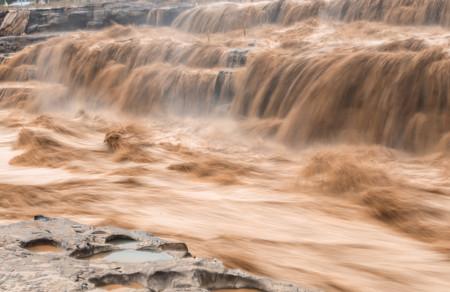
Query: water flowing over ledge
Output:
(304,141)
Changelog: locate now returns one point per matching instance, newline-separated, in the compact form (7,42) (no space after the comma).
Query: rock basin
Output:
(53,254)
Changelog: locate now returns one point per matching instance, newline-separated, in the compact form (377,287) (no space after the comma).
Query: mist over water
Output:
(308,141)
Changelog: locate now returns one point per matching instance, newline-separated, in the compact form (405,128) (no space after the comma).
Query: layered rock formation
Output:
(61,255)
(95,15)
(68,18)
(10,44)
(16,24)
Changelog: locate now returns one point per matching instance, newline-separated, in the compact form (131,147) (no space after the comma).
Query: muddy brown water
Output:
(112,287)
(320,156)
(45,248)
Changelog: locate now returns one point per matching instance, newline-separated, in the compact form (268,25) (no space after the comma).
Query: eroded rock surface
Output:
(95,15)
(10,44)
(15,22)
(50,254)
(18,26)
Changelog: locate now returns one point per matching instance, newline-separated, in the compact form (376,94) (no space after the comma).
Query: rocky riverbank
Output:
(17,21)
(16,24)
(50,254)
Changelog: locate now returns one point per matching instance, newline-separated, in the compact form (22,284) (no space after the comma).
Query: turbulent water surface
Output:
(304,140)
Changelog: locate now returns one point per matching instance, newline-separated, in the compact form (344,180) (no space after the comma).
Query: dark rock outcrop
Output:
(50,254)
(18,24)
(10,44)
(96,15)
(88,16)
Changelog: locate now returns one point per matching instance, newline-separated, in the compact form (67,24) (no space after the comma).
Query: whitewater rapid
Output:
(309,142)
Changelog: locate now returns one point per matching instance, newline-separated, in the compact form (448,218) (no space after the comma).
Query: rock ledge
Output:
(93,258)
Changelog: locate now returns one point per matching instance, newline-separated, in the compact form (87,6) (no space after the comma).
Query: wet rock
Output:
(80,257)
(41,218)
(223,87)
(89,16)
(93,15)
(25,26)
(44,19)
(11,44)
(237,58)
(164,16)
(15,22)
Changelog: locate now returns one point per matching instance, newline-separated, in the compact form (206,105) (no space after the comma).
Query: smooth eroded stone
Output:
(53,254)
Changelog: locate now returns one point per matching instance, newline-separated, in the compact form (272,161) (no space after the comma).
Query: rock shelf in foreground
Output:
(53,254)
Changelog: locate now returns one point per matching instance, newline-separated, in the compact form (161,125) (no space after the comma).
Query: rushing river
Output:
(308,141)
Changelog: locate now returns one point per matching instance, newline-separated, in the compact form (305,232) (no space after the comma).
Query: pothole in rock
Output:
(110,287)
(43,246)
(124,243)
(119,282)
(132,256)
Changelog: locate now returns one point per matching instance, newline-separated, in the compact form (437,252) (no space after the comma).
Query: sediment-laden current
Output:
(308,141)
